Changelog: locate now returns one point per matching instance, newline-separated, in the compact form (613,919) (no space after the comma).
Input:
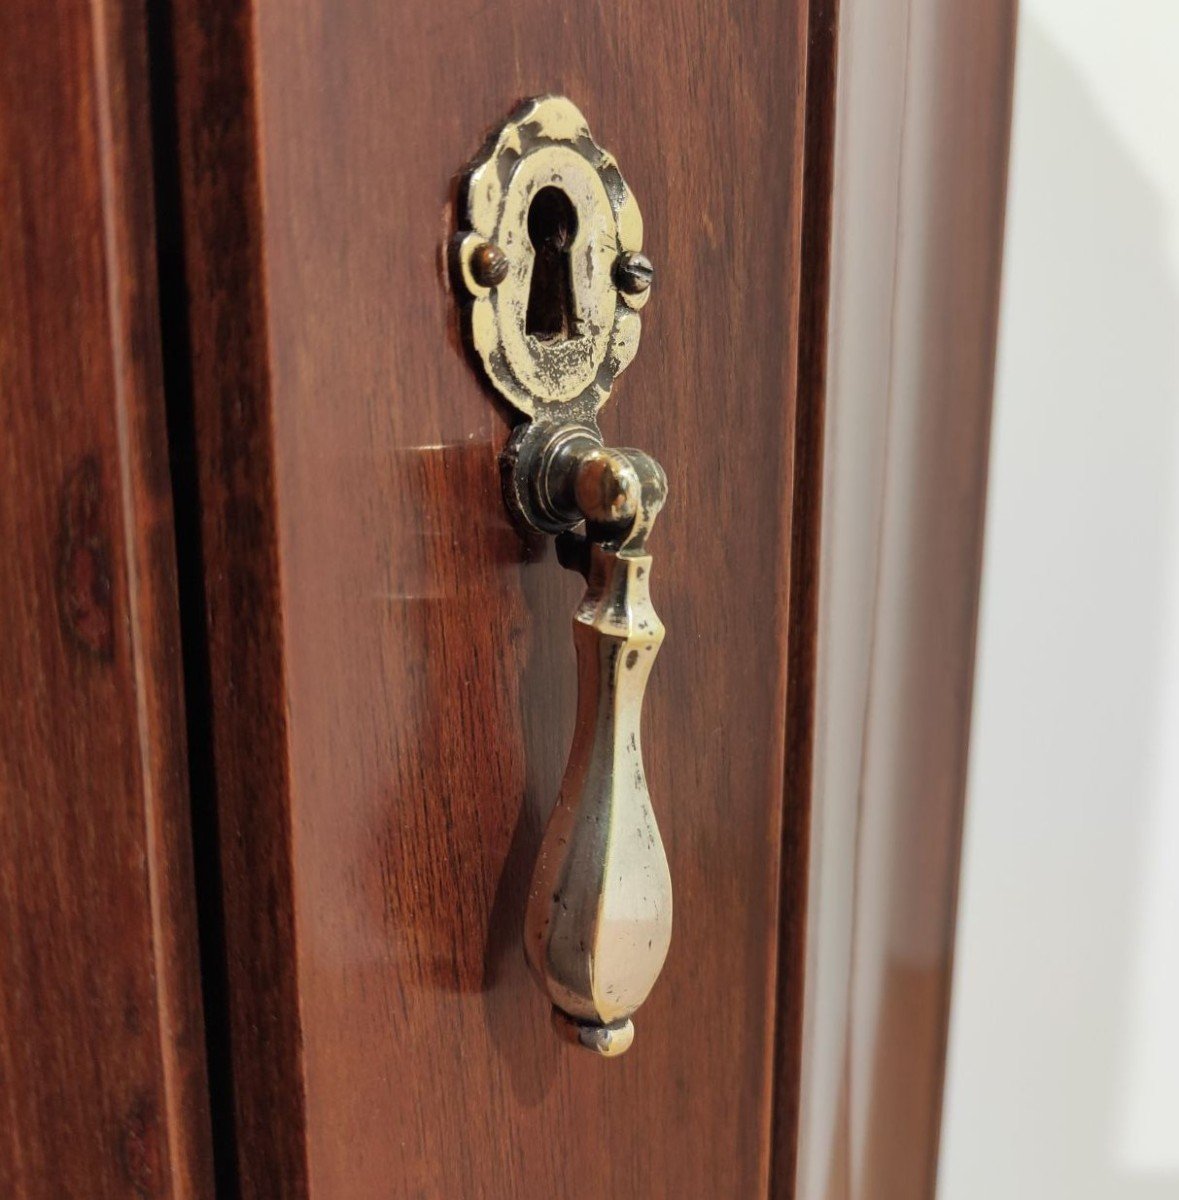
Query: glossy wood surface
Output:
(923,107)
(391,669)
(102,1089)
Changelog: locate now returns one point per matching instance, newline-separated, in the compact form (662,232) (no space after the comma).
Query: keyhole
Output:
(552,226)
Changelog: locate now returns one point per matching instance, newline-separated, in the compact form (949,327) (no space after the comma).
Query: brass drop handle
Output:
(547,256)
(598,922)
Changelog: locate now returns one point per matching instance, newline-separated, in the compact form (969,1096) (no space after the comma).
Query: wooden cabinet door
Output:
(391,670)
(252,472)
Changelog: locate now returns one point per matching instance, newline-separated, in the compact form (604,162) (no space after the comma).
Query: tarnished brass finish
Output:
(546,146)
(553,267)
(598,922)
(606,487)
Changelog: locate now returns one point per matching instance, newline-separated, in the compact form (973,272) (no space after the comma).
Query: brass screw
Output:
(489,265)
(634,273)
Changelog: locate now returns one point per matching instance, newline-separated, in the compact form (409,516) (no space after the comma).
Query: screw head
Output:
(489,264)
(634,273)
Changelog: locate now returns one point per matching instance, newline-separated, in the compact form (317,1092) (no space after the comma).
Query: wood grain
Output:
(923,106)
(102,1088)
(392,670)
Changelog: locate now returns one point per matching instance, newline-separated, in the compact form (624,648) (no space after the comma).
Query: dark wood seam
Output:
(806,504)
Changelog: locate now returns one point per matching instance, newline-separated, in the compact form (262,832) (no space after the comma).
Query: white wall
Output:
(1064,1048)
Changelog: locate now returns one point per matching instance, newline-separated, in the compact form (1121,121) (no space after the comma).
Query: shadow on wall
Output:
(1078,604)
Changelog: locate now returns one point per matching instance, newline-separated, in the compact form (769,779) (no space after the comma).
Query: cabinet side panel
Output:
(923,107)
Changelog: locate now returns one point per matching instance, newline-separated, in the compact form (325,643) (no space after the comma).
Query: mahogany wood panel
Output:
(922,119)
(102,1088)
(391,668)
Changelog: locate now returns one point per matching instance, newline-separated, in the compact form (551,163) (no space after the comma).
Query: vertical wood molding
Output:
(101,1042)
(922,121)
(806,524)
(224,426)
